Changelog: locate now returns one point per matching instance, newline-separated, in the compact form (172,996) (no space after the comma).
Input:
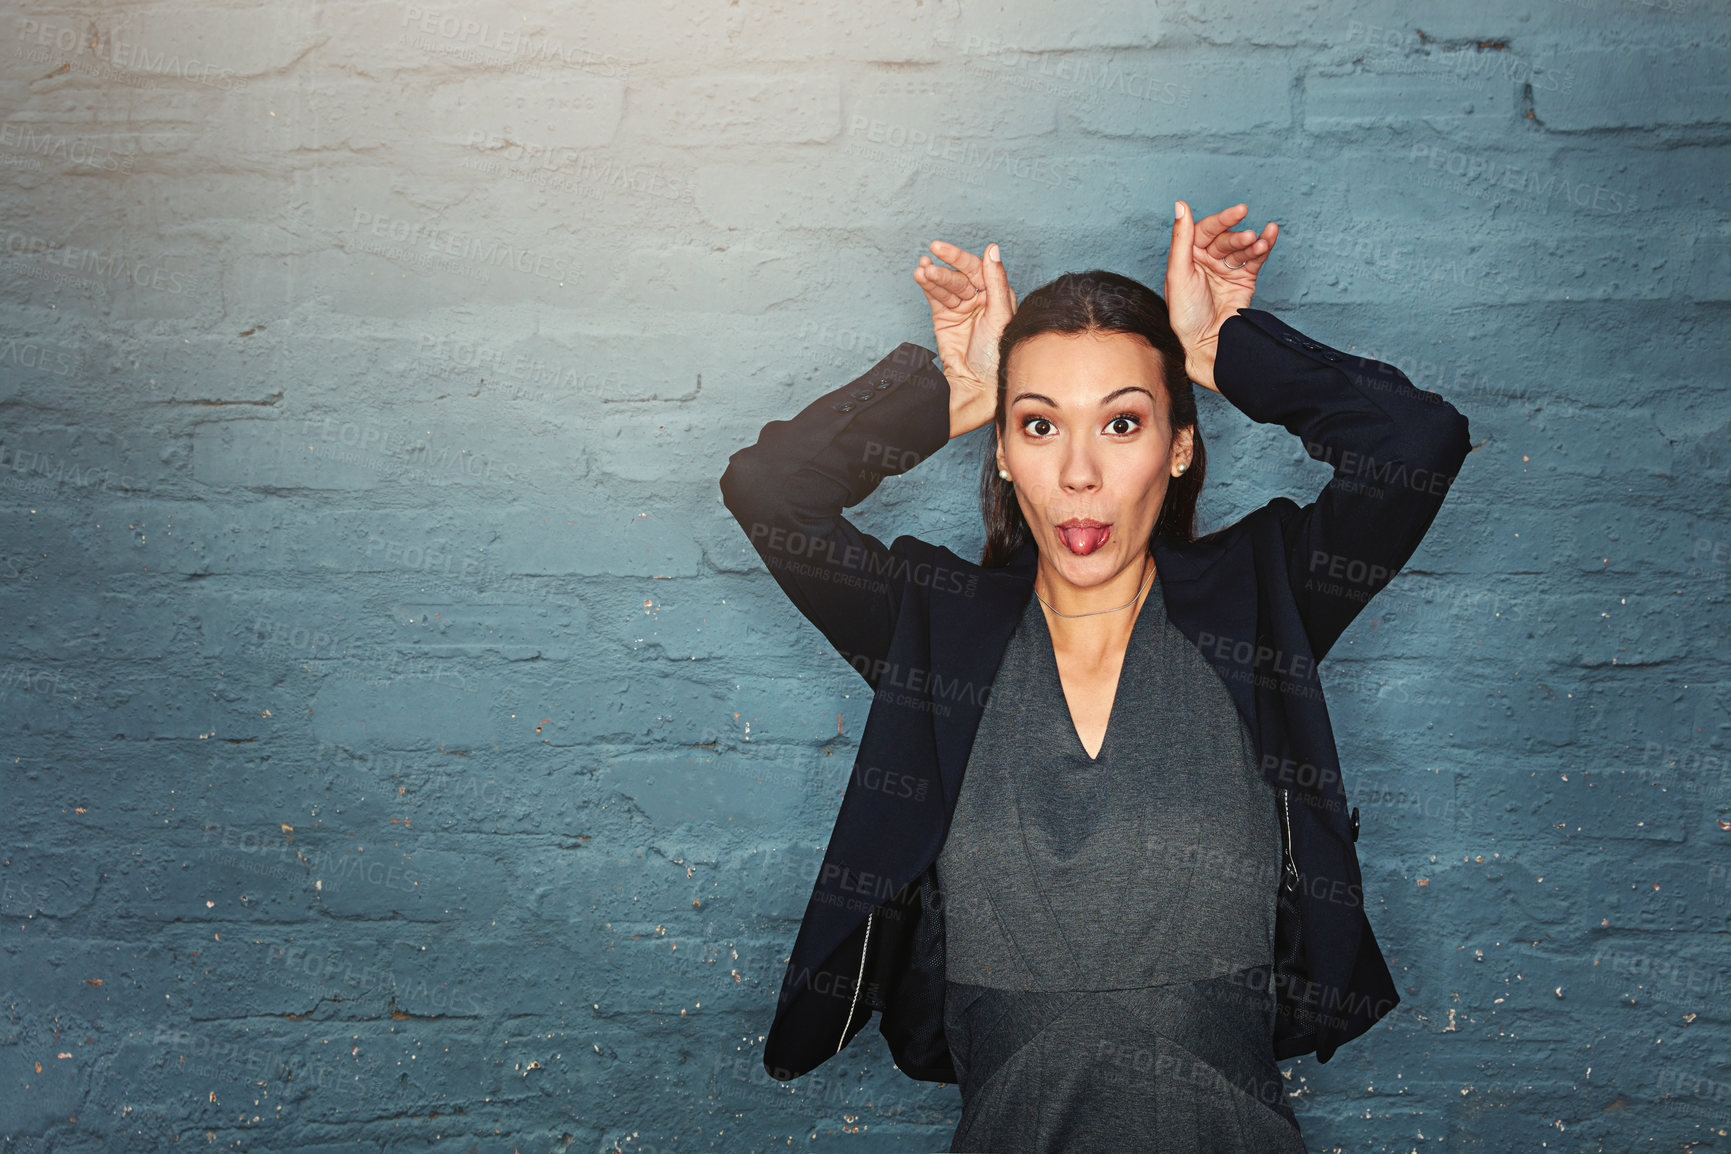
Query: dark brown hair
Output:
(1088,302)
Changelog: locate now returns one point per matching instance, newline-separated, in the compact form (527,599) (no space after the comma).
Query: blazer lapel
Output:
(970,638)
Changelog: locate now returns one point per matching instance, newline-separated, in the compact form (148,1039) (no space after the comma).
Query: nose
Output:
(1079,472)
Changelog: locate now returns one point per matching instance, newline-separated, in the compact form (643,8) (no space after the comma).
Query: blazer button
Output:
(884,382)
(1332,357)
(863,395)
(844,407)
(1355,823)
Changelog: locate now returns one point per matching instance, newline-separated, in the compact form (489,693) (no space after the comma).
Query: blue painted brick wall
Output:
(403,747)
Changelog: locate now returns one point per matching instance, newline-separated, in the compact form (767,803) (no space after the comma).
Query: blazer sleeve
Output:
(1395,450)
(788,491)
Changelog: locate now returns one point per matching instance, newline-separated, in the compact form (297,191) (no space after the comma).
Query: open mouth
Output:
(1082,536)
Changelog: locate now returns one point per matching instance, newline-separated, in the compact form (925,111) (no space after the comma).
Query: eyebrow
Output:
(1105,400)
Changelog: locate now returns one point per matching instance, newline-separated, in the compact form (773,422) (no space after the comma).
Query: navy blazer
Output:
(1263,599)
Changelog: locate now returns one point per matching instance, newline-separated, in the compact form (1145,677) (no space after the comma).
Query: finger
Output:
(1000,301)
(1231,243)
(942,297)
(952,279)
(1251,257)
(949,281)
(1209,229)
(955,254)
(1181,259)
(941,300)
(1213,225)
(1258,252)
(962,259)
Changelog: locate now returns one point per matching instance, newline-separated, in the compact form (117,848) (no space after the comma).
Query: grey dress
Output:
(1109,923)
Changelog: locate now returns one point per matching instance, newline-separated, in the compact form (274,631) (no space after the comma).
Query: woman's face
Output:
(1087,444)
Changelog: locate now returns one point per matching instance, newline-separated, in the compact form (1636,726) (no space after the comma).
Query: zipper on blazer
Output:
(1290,878)
(858,983)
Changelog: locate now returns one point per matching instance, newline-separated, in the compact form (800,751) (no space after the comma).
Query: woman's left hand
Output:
(1202,290)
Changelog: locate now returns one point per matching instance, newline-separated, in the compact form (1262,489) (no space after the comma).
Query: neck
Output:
(1112,607)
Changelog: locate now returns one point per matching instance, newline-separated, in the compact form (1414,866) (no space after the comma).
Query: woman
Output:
(1111,934)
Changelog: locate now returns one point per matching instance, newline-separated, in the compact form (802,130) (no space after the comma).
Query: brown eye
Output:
(1125,423)
(1028,426)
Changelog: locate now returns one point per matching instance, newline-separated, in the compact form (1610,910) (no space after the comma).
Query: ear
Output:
(999,449)
(1183,446)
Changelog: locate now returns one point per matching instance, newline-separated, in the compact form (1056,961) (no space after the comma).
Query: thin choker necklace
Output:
(1092,612)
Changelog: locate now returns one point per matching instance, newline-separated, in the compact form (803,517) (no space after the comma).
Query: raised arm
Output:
(788,491)
(1395,449)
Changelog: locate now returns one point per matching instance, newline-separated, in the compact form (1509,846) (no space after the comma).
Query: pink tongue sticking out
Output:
(1084,539)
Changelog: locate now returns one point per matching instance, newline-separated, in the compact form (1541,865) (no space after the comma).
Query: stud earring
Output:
(1004,473)
(1183,467)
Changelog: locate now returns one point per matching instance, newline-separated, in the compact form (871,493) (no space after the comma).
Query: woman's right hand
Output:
(971,303)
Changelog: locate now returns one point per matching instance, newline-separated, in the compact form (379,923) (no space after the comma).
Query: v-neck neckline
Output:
(1051,651)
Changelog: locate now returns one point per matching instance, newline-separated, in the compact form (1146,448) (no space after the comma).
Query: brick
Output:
(347,713)
(486,38)
(659,33)
(1364,262)
(888,108)
(388,880)
(265,454)
(407,551)
(703,790)
(1351,102)
(1710,269)
(1642,86)
(719,110)
(356,449)
(1444,179)
(1117,24)
(659,618)
(52,885)
(1180,94)
(498,113)
(904,31)
(877,183)
(616,542)
(742,279)
(1389,25)
(214,372)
